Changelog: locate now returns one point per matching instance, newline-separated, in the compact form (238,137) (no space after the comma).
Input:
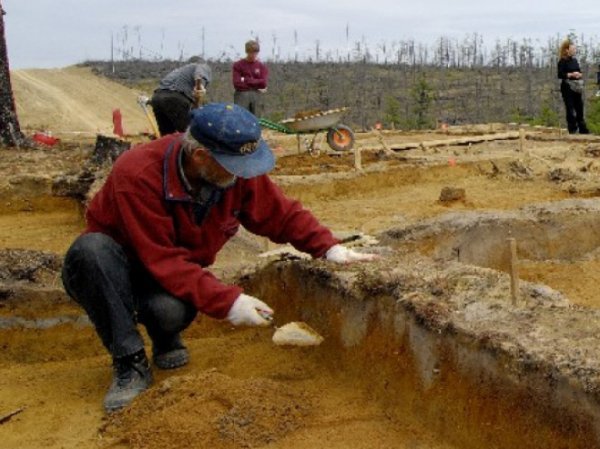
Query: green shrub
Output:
(392,112)
(519,116)
(593,115)
(422,96)
(547,117)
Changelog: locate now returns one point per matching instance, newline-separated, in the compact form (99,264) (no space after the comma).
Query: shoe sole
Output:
(173,359)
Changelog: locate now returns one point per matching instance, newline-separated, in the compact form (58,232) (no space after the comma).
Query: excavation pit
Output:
(557,243)
(441,341)
(417,352)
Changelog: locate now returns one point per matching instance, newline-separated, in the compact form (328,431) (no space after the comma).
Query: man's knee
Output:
(170,314)
(88,255)
(89,248)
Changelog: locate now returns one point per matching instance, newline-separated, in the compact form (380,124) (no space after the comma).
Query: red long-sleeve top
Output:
(144,206)
(249,75)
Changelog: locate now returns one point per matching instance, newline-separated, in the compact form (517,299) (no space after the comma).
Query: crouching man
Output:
(163,214)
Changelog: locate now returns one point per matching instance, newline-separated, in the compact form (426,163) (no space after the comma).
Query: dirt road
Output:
(73,100)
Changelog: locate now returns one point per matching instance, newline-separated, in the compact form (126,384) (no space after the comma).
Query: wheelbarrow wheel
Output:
(340,138)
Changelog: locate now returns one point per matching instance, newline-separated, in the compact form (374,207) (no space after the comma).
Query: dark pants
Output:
(574,110)
(117,293)
(172,111)
(249,99)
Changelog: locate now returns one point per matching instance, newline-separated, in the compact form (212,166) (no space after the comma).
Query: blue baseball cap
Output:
(232,134)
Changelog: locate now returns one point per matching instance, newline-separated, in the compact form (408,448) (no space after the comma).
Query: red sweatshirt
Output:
(144,207)
(249,75)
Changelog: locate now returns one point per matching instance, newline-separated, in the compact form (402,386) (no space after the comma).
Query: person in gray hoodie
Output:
(177,93)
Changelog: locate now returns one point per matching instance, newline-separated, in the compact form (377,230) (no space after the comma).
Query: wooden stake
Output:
(357,159)
(514,271)
(521,139)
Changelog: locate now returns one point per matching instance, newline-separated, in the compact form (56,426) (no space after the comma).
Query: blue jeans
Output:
(117,292)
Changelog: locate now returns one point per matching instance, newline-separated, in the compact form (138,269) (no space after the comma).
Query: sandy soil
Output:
(74,101)
(239,390)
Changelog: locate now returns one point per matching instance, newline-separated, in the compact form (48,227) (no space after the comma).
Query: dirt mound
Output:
(73,100)
(27,265)
(212,408)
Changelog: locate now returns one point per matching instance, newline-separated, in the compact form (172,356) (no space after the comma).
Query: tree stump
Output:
(108,148)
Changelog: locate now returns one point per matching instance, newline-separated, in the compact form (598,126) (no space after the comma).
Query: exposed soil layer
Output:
(442,341)
(298,404)
(238,391)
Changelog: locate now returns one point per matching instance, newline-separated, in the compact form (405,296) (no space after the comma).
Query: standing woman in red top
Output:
(250,79)
(571,87)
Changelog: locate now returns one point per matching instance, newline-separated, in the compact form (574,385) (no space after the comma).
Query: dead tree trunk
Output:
(10,132)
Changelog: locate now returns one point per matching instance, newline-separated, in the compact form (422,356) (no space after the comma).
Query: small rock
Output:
(592,150)
(561,175)
(518,169)
(449,194)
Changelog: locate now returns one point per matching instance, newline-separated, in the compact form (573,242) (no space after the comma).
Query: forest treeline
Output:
(453,82)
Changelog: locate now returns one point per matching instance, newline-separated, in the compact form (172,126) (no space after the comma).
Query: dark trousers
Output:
(116,294)
(172,111)
(574,110)
(248,99)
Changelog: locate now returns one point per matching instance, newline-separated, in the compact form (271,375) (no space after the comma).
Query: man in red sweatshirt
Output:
(164,212)
(250,78)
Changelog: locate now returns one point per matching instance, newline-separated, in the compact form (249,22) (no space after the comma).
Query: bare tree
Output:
(10,131)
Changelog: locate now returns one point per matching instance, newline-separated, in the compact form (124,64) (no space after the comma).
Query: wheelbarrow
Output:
(339,137)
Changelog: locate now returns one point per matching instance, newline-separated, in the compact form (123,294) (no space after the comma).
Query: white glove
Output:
(341,254)
(262,91)
(249,311)
(143,100)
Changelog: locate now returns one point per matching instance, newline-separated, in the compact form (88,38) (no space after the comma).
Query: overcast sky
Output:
(57,33)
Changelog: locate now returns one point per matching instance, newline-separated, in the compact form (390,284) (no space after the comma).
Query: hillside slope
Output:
(73,100)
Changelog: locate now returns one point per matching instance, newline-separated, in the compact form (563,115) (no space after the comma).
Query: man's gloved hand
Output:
(199,94)
(249,311)
(341,254)
(262,91)
(143,100)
